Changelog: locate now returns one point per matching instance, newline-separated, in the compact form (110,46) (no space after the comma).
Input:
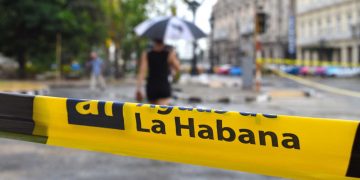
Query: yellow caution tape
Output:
(316,85)
(308,62)
(276,145)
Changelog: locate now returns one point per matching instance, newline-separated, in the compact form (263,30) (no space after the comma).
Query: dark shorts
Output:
(158,91)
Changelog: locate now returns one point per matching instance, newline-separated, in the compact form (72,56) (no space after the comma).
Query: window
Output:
(338,17)
(349,22)
(329,28)
(338,25)
(329,20)
(349,17)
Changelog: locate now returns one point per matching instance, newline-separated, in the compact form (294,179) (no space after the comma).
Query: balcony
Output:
(246,26)
(318,4)
(221,34)
(325,35)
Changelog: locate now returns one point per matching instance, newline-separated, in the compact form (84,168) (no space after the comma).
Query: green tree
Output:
(122,17)
(135,11)
(29,28)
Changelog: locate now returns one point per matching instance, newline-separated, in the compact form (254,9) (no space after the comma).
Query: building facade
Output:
(279,39)
(328,31)
(233,29)
(224,35)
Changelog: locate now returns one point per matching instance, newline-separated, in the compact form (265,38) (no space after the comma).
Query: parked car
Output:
(332,71)
(294,70)
(305,71)
(224,69)
(348,72)
(320,71)
(235,71)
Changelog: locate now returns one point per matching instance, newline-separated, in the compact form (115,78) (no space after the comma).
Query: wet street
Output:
(22,160)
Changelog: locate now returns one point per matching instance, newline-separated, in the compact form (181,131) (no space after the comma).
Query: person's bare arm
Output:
(174,61)
(142,71)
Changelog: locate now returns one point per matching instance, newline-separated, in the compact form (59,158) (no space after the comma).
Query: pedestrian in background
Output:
(96,66)
(157,63)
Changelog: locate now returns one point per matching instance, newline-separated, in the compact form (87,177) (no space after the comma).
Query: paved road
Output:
(335,106)
(21,160)
(344,83)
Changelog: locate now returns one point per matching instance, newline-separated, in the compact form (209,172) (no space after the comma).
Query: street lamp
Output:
(211,53)
(193,6)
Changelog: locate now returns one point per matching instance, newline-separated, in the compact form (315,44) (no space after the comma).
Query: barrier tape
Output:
(276,145)
(316,85)
(307,62)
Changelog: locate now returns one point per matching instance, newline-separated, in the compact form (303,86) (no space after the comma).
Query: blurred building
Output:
(225,33)
(233,29)
(329,30)
(279,40)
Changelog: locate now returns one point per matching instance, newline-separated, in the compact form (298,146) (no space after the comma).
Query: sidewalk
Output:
(24,87)
(226,89)
(34,87)
(192,89)
(197,89)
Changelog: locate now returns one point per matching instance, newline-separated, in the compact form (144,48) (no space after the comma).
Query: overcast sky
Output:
(202,20)
(203,13)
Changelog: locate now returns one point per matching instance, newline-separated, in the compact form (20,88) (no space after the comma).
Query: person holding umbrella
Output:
(160,60)
(158,63)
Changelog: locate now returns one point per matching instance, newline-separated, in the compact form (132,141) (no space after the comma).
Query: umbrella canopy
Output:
(169,28)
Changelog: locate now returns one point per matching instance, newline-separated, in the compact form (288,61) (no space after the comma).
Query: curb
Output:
(222,100)
(24,88)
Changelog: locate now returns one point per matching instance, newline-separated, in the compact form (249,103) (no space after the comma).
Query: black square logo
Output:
(95,113)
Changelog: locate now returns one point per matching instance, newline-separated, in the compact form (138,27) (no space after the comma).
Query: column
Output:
(315,58)
(344,55)
(313,55)
(279,58)
(355,55)
(307,57)
(299,53)
(299,56)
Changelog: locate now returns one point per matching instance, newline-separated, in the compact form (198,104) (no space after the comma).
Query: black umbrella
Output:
(169,28)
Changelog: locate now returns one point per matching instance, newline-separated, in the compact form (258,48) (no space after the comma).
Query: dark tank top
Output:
(158,67)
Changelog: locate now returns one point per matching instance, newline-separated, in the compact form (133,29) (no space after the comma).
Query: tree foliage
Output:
(122,17)
(28,28)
